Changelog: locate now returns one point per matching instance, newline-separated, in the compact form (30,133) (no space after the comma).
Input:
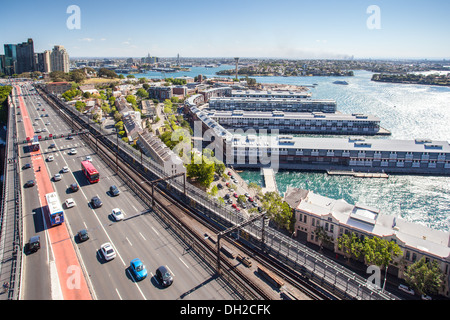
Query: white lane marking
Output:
(155,231)
(129,241)
(142,236)
(117,291)
(183,262)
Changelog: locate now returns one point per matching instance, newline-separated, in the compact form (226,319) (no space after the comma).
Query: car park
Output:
(83,235)
(70,203)
(114,191)
(96,202)
(117,214)
(108,251)
(164,276)
(138,269)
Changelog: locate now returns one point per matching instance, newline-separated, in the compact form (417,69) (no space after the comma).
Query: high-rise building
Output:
(2,63)
(59,59)
(43,62)
(10,59)
(25,57)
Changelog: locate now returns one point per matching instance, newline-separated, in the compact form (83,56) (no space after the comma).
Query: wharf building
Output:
(300,122)
(271,104)
(420,156)
(337,217)
(277,94)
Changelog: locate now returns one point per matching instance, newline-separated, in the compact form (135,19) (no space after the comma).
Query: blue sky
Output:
(294,29)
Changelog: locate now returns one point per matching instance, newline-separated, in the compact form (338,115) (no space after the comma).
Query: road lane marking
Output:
(155,231)
(117,291)
(142,236)
(129,241)
(183,262)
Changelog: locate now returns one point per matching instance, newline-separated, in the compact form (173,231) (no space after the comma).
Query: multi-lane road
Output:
(139,235)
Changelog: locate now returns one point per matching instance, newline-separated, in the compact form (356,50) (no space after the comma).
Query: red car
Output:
(234,206)
(250,199)
(229,173)
(235,195)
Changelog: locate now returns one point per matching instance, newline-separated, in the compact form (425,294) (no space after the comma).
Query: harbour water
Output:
(408,111)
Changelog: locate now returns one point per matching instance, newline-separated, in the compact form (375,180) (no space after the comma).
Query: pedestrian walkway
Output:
(270,184)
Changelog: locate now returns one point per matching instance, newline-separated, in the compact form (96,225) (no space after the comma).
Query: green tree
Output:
(278,210)
(141,93)
(425,277)
(351,245)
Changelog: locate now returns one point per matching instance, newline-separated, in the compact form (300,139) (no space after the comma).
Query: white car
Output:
(73,151)
(57,177)
(108,251)
(117,214)
(70,203)
(50,158)
(406,289)
(65,169)
(88,158)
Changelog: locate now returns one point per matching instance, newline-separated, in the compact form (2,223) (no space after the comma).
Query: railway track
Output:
(176,214)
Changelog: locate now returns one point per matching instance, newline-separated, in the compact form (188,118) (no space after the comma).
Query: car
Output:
(70,203)
(250,199)
(50,158)
(74,187)
(30,183)
(114,191)
(27,166)
(52,146)
(234,205)
(219,186)
(230,201)
(138,269)
(164,276)
(96,202)
(229,173)
(226,197)
(117,214)
(83,235)
(247,194)
(406,289)
(108,251)
(88,158)
(260,209)
(57,177)
(235,195)
(65,169)
(34,244)
(73,151)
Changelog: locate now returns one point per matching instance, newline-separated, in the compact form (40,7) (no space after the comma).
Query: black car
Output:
(74,187)
(114,191)
(33,245)
(83,235)
(96,202)
(27,166)
(30,183)
(164,276)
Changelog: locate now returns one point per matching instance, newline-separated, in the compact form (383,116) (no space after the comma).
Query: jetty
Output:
(269,182)
(358,174)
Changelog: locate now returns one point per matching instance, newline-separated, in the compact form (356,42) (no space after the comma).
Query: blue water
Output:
(408,111)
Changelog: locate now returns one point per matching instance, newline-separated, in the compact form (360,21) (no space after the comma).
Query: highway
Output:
(140,235)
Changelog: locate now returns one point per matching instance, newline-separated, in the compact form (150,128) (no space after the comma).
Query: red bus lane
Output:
(71,278)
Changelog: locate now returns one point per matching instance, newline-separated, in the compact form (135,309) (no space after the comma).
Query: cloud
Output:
(87,39)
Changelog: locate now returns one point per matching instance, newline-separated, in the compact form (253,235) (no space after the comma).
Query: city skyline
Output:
(288,29)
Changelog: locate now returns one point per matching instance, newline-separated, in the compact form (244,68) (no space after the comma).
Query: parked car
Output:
(138,269)
(83,235)
(164,276)
(108,251)
(406,289)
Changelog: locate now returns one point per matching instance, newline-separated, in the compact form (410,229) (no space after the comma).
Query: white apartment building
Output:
(59,59)
(337,217)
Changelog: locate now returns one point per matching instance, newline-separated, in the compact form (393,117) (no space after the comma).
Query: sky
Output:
(293,29)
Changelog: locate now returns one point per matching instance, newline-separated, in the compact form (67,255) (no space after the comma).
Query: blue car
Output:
(138,269)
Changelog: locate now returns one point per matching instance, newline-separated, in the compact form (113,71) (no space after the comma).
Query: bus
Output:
(55,210)
(89,171)
(35,144)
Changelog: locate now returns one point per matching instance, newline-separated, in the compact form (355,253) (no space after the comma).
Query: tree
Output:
(278,210)
(425,277)
(351,245)
(141,93)
(201,169)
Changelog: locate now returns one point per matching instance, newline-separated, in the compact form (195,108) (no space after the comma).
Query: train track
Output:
(178,213)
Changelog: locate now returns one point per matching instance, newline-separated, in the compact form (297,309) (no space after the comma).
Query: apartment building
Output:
(337,217)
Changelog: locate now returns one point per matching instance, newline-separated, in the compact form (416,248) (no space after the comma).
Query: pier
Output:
(269,182)
(358,174)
